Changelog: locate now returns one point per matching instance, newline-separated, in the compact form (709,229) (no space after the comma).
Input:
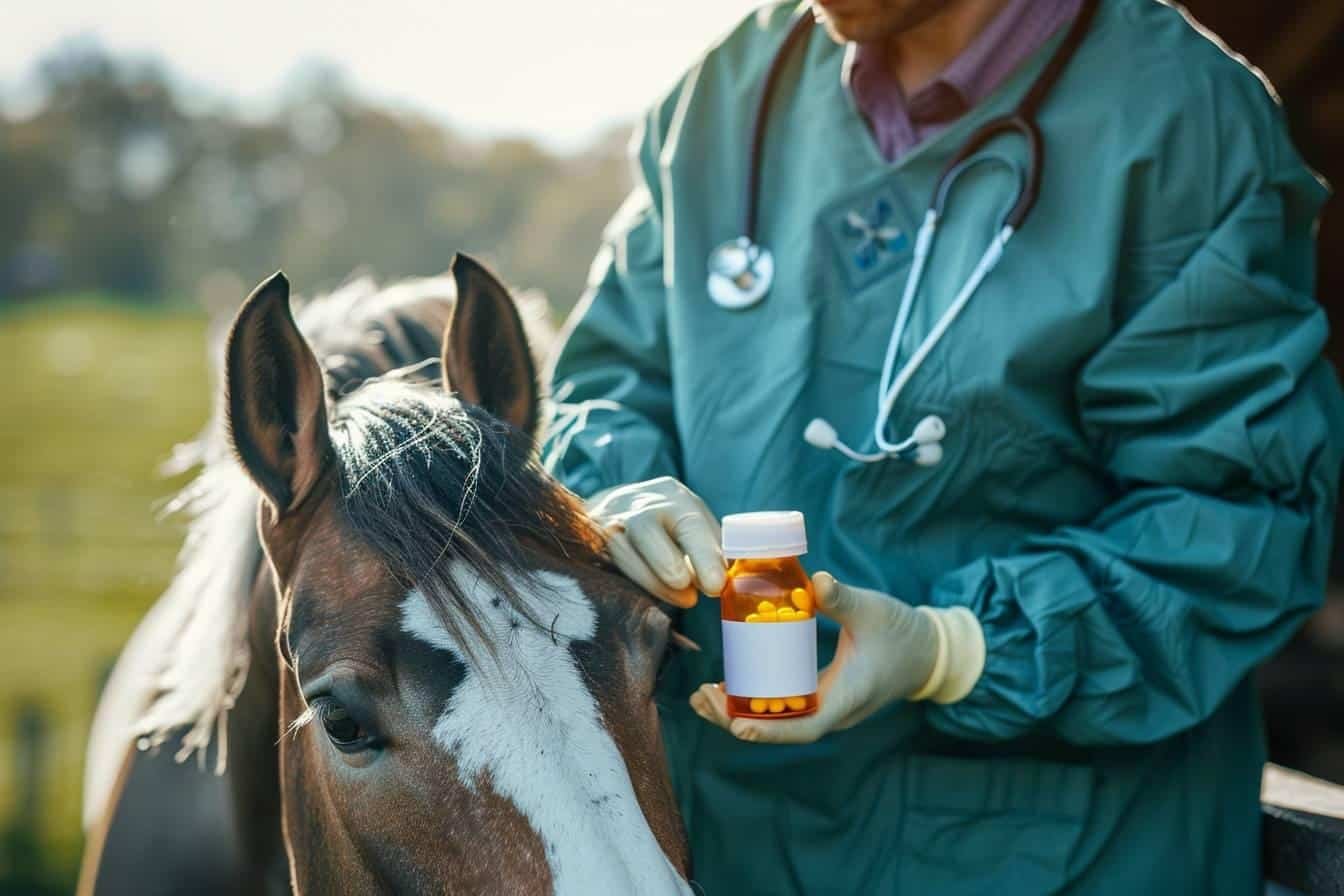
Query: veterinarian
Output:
(1101,424)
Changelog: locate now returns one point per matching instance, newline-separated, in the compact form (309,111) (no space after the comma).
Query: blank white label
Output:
(770,659)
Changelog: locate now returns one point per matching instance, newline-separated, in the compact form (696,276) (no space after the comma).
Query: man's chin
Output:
(864,21)
(845,23)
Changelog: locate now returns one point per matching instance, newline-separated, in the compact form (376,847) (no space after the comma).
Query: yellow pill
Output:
(795,703)
(776,705)
(769,617)
(786,614)
(754,617)
(765,607)
(801,615)
(758,704)
(801,599)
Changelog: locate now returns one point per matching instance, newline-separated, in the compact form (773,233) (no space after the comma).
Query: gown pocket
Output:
(991,825)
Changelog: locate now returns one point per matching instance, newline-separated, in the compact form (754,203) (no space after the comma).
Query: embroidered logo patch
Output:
(874,233)
(871,236)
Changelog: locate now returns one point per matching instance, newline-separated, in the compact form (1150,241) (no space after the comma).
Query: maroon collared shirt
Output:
(900,123)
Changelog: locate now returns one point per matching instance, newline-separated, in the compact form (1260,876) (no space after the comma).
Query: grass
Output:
(96,394)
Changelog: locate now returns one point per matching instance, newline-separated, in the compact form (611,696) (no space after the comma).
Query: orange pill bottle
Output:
(769,617)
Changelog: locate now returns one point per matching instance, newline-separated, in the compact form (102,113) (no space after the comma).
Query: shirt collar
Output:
(1017,29)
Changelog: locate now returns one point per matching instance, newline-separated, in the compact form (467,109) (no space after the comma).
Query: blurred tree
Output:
(118,184)
(101,155)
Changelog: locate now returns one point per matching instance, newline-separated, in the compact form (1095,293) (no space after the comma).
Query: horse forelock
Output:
(433,485)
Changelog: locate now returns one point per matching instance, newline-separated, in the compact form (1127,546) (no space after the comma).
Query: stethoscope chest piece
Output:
(740,273)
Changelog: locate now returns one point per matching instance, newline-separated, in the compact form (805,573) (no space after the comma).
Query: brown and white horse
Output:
(427,676)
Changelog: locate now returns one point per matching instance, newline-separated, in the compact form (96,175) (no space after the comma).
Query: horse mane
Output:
(379,351)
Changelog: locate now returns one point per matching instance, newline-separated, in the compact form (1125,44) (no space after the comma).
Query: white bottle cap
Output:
(771,533)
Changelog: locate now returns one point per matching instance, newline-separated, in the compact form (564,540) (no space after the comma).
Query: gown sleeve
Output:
(1221,427)
(613,421)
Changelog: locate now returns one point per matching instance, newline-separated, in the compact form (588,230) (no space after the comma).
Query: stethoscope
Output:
(741,270)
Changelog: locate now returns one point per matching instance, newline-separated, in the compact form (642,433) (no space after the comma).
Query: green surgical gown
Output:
(1141,462)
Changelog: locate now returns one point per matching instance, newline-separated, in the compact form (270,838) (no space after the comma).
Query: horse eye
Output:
(343,731)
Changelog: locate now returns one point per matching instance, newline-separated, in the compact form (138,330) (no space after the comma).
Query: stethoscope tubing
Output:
(761,121)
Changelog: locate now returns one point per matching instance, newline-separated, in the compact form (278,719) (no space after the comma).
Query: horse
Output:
(396,642)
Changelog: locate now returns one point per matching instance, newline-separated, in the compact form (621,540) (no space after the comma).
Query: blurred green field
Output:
(95,396)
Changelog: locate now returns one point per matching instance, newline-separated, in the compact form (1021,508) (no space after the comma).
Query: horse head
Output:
(466,686)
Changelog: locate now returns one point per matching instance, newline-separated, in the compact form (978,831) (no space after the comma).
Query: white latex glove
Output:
(661,535)
(888,650)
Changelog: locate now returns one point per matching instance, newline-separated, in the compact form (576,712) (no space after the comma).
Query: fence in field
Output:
(26,867)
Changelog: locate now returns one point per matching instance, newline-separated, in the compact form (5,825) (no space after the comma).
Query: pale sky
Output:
(556,71)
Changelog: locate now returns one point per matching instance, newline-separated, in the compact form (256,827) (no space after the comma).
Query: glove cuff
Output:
(961,655)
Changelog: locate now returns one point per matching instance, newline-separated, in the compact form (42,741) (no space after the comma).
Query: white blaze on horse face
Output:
(532,724)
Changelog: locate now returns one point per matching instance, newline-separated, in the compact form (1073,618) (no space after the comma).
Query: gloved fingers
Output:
(711,704)
(663,556)
(801,730)
(826,678)
(631,562)
(616,507)
(596,503)
(842,603)
(698,535)
(857,714)
(837,696)
(859,609)
(669,530)
(836,701)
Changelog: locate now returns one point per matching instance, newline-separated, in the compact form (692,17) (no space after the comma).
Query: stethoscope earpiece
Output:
(930,430)
(929,455)
(923,448)
(820,434)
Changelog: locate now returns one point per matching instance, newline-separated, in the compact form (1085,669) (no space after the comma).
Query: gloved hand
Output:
(653,529)
(888,650)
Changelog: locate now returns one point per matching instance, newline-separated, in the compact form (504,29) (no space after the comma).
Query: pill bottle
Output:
(769,617)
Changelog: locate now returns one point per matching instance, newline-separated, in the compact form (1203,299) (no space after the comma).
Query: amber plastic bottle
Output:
(768,612)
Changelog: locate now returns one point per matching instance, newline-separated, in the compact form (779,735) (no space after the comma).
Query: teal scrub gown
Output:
(1141,462)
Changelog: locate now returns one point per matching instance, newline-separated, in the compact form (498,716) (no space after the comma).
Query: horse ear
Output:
(486,359)
(275,398)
